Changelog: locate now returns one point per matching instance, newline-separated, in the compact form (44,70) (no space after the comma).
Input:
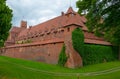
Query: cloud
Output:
(37,11)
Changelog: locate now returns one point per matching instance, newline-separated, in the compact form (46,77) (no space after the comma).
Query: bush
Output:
(62,57)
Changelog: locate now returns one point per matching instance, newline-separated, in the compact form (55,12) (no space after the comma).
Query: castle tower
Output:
(23,24)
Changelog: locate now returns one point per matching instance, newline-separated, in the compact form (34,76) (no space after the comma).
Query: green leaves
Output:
(62,57)
(5,21)
(106,10)
(94,54)
(78,40)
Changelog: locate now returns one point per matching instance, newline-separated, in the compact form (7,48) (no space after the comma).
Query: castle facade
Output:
(43,42)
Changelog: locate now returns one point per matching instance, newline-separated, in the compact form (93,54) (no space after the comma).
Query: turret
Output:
(23,24)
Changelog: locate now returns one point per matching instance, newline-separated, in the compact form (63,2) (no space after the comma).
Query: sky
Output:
(38,11)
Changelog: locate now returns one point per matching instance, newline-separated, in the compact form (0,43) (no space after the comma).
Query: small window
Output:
(62,30)
(68,29)
(84,22)
(42,34)
(48,54)
(36,35)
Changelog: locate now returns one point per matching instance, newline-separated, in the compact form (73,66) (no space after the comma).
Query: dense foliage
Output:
(5,21)
(92,54)
(103,17)
(62,57)
(98,54)
(78,40)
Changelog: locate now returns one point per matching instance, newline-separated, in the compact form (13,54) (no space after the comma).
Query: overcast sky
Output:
(37,11)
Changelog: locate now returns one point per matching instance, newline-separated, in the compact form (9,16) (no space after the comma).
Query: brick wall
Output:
(48,53)
(47,48)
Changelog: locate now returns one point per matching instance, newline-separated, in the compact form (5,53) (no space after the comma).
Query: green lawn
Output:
(11,68)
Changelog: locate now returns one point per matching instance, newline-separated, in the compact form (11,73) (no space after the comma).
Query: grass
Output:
(11,68)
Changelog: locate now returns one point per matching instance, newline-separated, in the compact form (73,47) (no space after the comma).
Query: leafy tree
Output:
(103,18)
(5,21)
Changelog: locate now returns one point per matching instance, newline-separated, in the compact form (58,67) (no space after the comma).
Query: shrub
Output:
(62,57)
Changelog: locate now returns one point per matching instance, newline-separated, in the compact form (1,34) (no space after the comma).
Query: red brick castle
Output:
(43,42)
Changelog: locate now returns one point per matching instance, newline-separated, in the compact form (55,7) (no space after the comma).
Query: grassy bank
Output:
(11,68)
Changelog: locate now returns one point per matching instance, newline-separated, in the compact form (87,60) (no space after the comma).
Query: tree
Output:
(103,18)
(5,21)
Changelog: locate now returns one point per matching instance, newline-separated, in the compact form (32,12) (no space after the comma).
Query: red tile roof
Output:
(16,29)
(69,18)
(60,21)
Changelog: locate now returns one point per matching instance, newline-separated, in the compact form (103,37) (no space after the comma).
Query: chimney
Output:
(23,24)
(30,27)
(62,13)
